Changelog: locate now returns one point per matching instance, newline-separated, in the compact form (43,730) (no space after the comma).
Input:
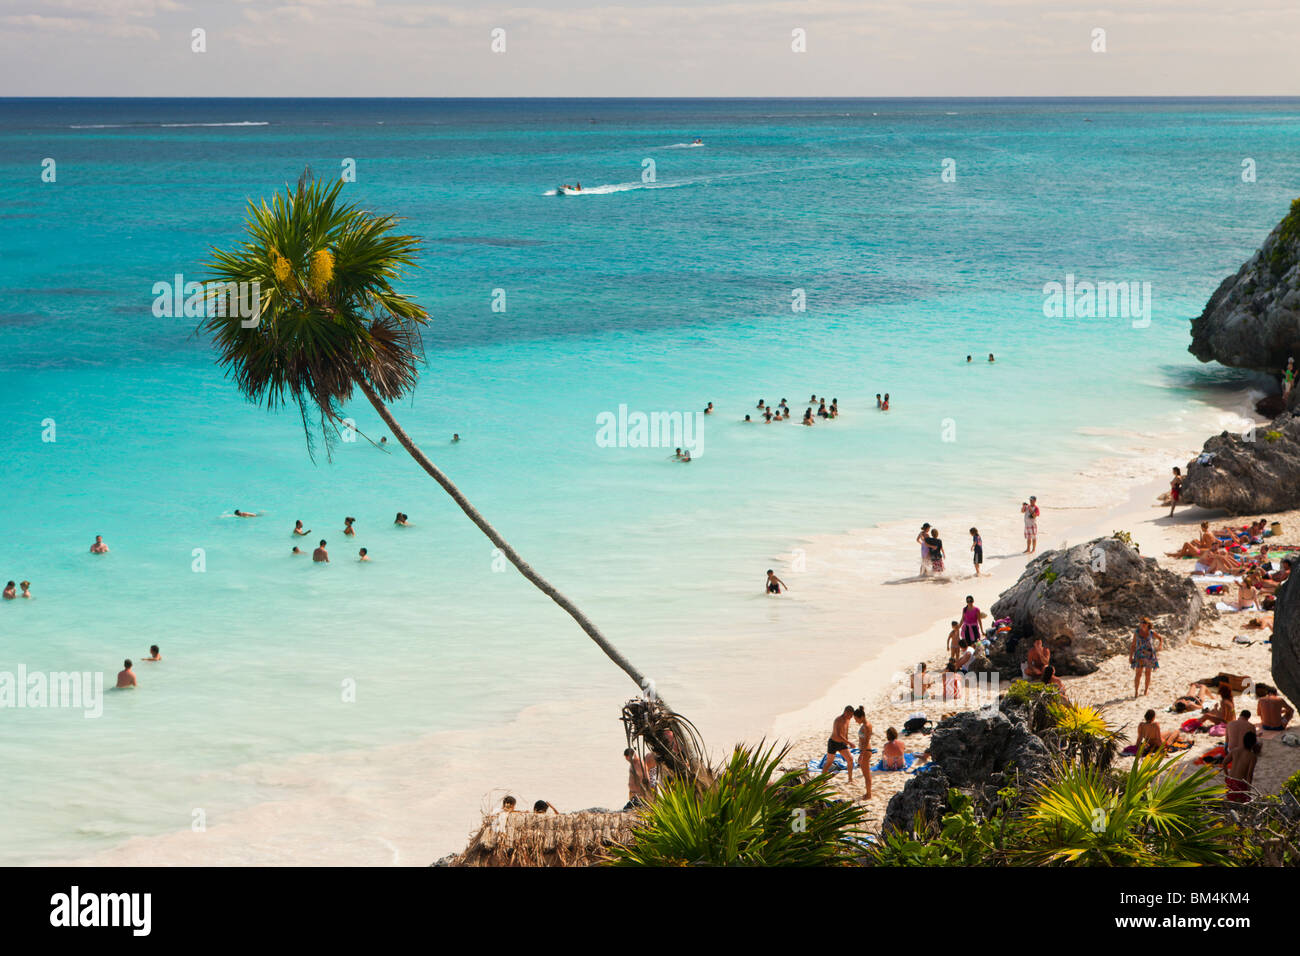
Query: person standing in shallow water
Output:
(936,551)
(775,584)
(977,549)
(923,539)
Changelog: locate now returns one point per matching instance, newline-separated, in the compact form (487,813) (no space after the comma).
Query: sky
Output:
(649,48)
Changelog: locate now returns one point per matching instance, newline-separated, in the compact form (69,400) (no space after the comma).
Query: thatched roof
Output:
(546,839)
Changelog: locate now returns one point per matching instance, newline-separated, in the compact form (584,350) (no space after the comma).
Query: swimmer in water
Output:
(455,437)
(153,653)
(126,676)
(709,409)
(884,406)
(362,556)
(686,455)
(99,547)
(320,555)
(299,529)
(775,584)
(27,588)
(10,591)
(347,526)
(245,514)
(748,419)
(297,550)
(807,417)
(400,520)
(384,440)
(990,356)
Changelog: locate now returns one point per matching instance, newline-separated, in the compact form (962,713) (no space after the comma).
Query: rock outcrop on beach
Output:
(1253,319)
(1251,474)
(1085,603)
(1286,642)
(973,749)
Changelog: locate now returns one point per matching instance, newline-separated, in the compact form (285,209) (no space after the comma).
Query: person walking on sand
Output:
(976,549)
(935,545)
(923,539)
(1142,654)
(837,745)
(1175,489)
(1030,510)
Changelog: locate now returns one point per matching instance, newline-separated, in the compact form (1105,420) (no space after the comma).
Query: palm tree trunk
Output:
(494,536)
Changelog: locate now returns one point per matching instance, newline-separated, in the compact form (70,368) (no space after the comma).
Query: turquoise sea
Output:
(658,295)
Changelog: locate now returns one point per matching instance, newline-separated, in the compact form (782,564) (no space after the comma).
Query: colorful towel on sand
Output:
(1219,730)
(1213,755)
(907,764)
(1178,746)
(1190,726)
(815,765)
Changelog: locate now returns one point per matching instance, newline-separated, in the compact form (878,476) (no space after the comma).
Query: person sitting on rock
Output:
(1039,657)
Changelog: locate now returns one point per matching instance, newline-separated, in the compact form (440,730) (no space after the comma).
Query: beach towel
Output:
(1190,726)
(1213,755)
(1228,607)
(907,763)
(1219,730)
(815,765)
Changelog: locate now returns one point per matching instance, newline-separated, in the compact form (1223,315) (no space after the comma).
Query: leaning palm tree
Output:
(330,321)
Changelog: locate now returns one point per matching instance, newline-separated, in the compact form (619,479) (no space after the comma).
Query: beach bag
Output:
(1214,589)
(917,725)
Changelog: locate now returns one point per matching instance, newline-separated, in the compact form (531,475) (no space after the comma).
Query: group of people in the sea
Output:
(10,592)
(321,555)
(781,411)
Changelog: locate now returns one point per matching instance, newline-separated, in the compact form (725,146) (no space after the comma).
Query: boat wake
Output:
(162,125)
(608,188)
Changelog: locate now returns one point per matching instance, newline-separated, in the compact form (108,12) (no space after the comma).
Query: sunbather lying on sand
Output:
(1214,559)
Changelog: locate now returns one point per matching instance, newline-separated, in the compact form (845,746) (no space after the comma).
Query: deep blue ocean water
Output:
(661,296)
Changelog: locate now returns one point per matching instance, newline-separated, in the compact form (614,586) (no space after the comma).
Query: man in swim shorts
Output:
(1274,712)
(1030,510)
(838,743)
(775,584)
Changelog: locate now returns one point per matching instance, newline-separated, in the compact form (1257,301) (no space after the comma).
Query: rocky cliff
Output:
(1256,473)
(1086,601)
(1253,319)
